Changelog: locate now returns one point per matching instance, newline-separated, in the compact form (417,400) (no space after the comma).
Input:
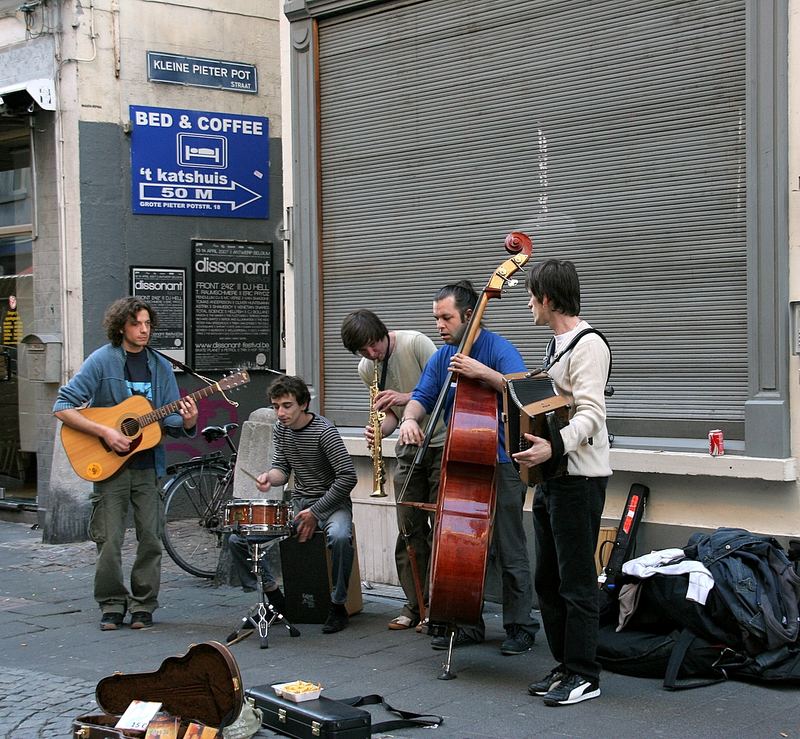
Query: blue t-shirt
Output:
(490,349)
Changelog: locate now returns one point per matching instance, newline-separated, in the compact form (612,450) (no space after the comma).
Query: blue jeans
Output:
(239,547)
(338,528)
(566,522)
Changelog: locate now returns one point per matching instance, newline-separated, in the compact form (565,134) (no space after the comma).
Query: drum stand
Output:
(263,614)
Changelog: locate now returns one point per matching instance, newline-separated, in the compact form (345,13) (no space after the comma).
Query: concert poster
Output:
(165,290)
(232,304)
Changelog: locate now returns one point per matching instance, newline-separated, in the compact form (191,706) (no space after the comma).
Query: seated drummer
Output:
(310,446)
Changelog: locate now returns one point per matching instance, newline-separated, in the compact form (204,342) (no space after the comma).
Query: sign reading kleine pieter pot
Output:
(198,163)
(200,72)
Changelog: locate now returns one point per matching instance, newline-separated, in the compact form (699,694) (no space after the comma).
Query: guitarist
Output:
(109,375)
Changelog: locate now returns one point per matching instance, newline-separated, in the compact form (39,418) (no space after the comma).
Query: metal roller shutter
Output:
(612,132)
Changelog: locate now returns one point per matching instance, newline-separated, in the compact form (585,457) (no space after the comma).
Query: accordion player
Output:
(531,406)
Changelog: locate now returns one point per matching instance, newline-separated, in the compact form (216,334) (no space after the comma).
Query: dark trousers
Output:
(566,522)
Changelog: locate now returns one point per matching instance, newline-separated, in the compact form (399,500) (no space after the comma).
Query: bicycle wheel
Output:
(193,513)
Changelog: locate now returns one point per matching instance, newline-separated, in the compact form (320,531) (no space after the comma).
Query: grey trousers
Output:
(110,502)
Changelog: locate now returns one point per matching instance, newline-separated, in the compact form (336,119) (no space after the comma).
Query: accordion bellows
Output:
(531,406)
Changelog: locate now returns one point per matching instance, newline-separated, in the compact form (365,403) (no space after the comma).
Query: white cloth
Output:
(673,562)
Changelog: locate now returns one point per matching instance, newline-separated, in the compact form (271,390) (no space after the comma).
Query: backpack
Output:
(681,659)
(756,583)
(684,660)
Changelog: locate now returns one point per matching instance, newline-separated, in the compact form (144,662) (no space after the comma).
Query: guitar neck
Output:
(159,414)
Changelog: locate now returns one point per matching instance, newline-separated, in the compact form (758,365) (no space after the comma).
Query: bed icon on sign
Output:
(202,150)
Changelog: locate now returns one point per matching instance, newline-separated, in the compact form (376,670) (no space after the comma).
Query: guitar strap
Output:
(181,366)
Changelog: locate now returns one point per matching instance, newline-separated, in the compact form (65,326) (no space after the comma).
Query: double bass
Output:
(466,501)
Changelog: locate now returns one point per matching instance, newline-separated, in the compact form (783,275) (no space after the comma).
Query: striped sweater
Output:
(322,467)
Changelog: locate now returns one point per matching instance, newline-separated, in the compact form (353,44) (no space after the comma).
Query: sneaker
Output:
(552,680)
(111,621)
(141,620)
(443,642)
(573,689)
(517,642)
(337,619)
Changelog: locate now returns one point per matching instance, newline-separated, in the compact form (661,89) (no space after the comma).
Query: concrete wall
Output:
(91,238)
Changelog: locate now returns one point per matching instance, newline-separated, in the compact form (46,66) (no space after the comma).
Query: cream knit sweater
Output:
(580,376)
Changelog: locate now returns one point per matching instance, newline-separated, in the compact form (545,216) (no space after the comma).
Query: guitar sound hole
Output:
(129,427)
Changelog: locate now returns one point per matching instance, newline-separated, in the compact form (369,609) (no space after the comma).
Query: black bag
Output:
(756,582)
(331,719)
(681,659)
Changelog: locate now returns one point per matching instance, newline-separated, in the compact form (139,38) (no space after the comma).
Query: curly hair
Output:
(120,312)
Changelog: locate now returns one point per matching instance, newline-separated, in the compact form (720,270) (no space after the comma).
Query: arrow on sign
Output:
(235,195)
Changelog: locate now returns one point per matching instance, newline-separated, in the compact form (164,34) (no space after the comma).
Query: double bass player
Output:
(491,357)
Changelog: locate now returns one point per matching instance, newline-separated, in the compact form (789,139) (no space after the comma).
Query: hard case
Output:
(322,717)
(202,685)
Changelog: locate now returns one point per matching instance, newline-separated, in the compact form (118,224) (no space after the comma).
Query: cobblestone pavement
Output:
(35,704)
(52,655)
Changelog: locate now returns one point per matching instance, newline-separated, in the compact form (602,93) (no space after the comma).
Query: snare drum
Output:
(258,517)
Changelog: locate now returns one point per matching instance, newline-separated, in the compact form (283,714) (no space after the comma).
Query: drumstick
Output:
(249,474)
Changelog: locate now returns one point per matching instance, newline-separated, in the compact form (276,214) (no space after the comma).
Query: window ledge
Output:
(645,460)
(692,463)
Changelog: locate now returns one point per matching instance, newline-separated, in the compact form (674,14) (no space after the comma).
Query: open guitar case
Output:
(202,685)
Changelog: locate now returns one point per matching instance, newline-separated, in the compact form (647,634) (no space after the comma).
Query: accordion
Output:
(531,406)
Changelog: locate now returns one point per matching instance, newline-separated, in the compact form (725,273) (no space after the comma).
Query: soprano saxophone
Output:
(375,419)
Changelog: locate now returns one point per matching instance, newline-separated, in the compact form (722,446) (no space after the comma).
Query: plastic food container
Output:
(298,691)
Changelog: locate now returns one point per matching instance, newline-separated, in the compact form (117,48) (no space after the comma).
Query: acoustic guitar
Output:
(90,456)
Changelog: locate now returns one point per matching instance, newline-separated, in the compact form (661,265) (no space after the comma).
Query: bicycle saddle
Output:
(214,433)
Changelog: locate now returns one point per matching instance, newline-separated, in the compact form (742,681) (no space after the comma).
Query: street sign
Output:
(197,163)
(199,72)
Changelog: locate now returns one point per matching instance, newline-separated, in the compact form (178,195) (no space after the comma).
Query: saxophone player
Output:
(391,364)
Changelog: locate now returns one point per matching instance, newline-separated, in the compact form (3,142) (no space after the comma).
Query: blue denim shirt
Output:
(100,383)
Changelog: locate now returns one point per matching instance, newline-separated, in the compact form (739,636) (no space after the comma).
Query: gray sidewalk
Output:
(52,654)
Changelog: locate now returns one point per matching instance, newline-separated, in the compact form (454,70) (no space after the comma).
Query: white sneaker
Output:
(573,689)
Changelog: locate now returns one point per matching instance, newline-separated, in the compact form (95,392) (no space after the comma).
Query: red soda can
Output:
(716,443)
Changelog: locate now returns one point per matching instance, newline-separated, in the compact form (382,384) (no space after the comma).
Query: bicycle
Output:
(195,496)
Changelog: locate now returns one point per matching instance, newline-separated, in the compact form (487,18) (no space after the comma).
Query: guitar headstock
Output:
(229,382)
